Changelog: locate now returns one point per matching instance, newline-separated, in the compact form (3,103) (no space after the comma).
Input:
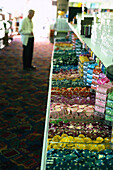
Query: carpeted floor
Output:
(23,99)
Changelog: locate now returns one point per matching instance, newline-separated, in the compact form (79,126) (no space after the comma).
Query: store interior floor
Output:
(23,100)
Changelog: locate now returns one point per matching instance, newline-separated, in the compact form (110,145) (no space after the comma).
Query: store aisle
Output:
(23,99)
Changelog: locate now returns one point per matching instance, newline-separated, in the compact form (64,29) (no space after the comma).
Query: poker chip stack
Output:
(72,143)
(79,159)
(109,107)
(91,67)
(96,76)
(74,39)
(101,99)
(78,47)
(85,67)
(82,59)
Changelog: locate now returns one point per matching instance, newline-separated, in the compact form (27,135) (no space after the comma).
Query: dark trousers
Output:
(28,53)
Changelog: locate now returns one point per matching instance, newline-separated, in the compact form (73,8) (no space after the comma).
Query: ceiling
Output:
(22,6)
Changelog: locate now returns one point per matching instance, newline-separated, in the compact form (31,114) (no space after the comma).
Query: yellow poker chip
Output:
(93,147)
(108,146)
(63,139)
(91,53)
(94,141)
(67,139)
(55,139)
(81,136)
(107,140)
(99,139)
(63,146)
(101,147)
(76,146)
(69,146)
(55,146)
(87,146)
(64,135)
(112,140)
(81,146)
(70,138)
(51,144)
(48,139)
(59,145)
(75,139)
(78,140)
(61,78)
(74,79)
(87,140)
(81,140)
(48,147)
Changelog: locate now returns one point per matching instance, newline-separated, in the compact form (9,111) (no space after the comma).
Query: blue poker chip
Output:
(50,151)
(84,166)
(99,163)
(93,154)
(80,159)
(110,163)
(101,156)
(108,151)
(86,153)
(90,162)
(77,152)
(108,157)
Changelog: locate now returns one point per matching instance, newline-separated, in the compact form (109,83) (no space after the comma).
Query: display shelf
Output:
(95,48)
(55,158)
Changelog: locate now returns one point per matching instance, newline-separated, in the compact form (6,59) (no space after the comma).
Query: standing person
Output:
(27,36)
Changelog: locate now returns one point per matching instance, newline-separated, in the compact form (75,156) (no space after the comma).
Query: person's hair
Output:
(31,11)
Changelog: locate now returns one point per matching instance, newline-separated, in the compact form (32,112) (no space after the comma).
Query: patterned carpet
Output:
(23,99)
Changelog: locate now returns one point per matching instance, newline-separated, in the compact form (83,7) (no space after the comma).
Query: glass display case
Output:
(76,135)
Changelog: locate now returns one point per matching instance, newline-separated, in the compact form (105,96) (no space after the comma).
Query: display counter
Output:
(44,149)
(74,136)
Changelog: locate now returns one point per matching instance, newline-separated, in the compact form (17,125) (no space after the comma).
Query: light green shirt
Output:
(25,29)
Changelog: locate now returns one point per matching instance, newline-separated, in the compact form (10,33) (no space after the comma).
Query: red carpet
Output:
(23,100)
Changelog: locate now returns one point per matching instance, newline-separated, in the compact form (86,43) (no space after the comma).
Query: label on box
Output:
(110,103)
(109,111)
(90,71)
(99,109)
(101,96)
(89,76)
(110,118)
(100,102)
